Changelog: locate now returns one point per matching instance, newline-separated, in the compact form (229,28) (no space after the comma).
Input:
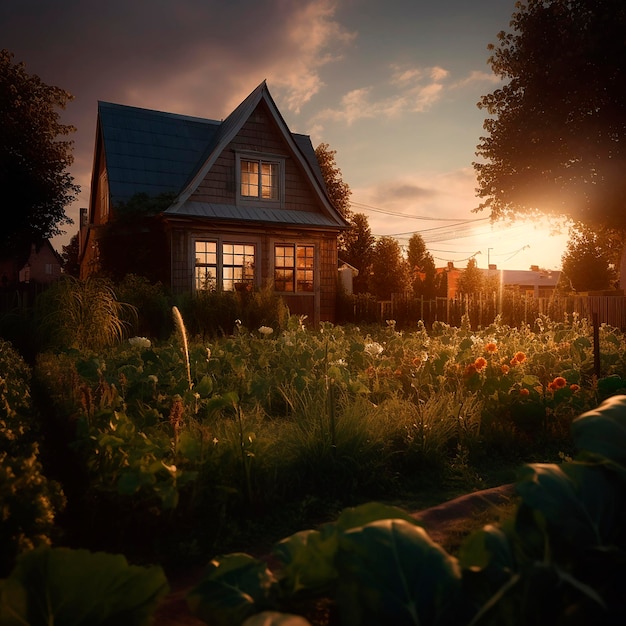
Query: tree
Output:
(424,280)
(590,259)
(69,256)
(389,269)
(556,136)
(470,279)
(338,190)
(33,160)
(357,249)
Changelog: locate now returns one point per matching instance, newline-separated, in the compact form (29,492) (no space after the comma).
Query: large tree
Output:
(590,259)
(338,190)
(357,249)
(471,280)
(34,157)
(423,273)
(556,134)
(389,269)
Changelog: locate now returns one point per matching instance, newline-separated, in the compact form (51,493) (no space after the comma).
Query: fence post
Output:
(596,345)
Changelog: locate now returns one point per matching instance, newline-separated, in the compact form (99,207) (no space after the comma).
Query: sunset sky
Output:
(391,85)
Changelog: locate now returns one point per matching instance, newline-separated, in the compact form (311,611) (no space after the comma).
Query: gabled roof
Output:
(153,152)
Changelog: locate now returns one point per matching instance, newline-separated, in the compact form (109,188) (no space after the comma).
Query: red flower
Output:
(491,347)
(524,392)
(559,382)
(574,387)
(479,363)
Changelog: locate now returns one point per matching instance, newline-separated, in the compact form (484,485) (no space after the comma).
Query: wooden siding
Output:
(258,134)
(319,306)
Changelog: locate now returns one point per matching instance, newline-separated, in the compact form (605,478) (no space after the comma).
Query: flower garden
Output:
(176,450)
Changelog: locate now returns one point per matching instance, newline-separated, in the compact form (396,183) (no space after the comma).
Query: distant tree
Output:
(389,269)
(358,249)
(590,259)
(34,160)
(470,279)
(338,190)
(69,256)
(421,265)
(556,137)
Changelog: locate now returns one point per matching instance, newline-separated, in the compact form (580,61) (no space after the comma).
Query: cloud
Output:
(414,90)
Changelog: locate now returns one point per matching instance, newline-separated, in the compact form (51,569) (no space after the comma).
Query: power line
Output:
(368,207)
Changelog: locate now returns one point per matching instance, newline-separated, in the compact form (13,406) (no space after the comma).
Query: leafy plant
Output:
(560,560)
(78,587)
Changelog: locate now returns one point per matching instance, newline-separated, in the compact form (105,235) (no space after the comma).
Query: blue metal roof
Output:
(151,152)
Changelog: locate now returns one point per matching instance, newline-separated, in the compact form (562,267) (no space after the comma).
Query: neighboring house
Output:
(246,203)
(38,263)
(534,282)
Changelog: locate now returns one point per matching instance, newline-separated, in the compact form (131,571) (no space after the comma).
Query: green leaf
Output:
(580,502)
(602,431)
(487,548)
(308,562)
(274,618)
(232,588)
(77,587)
(354,517)
(204,387)
(391,572)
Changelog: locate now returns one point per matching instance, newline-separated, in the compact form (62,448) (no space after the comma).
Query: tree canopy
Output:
(556,134)
(389,269)
(34,157)
(338,190)
(424,280)
(590,259)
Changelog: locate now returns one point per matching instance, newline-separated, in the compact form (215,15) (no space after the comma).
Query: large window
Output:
(293,267)
(259,179)
(227,266)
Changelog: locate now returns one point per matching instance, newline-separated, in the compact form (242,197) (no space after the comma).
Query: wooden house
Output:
(204,204)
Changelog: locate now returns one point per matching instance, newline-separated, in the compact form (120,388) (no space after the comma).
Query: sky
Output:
(391,85)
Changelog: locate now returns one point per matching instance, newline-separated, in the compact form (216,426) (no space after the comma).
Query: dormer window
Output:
(260,179)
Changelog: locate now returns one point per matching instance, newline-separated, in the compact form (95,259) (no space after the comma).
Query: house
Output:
(38,263)
(534,282)
(204,204)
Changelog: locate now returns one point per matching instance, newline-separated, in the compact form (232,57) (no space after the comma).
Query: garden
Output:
(128,455)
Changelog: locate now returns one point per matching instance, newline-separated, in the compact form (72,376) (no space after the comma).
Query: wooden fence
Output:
(514,309)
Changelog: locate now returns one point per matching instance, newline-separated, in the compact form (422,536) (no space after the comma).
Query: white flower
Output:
(141,342)
(373,348)
(339,362)
(266,330)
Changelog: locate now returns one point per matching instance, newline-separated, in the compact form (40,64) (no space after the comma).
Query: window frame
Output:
(260,158)
(296,282)
(220,265)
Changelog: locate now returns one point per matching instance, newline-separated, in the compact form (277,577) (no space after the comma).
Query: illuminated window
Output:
(259,179)
(229,266)
(293,268)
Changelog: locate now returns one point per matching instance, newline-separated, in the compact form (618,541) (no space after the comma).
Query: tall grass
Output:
(82,314)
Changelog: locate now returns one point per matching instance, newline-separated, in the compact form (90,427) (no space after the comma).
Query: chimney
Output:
(493,266)
(450,265)
(534,268)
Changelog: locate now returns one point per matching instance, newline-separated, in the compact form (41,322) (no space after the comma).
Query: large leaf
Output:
(602,431)
(80,588)
(580,502)
(391,572)
(233,587)
(308,556)
(274,618)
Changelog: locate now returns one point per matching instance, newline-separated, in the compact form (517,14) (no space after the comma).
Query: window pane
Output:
(206,265)
(269,181)
(250,178)
(238,262)
(283,280)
